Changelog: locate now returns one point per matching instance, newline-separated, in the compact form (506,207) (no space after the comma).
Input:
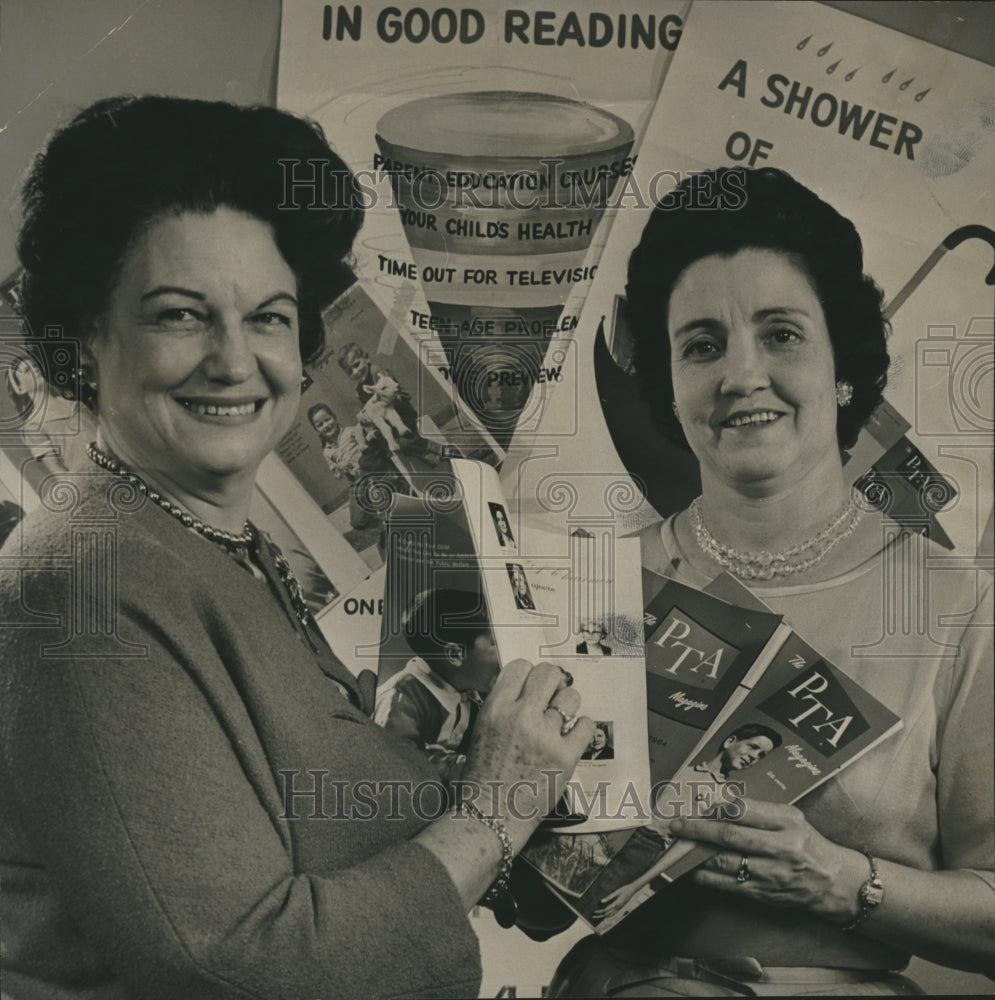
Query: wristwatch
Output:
(869,895)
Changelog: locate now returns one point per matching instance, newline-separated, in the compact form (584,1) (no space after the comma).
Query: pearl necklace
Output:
(225,539)
(240,545)
(767,565)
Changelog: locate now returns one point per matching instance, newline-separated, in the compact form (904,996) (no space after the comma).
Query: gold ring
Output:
(569,721)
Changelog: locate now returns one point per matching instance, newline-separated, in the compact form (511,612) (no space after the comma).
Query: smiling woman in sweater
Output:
(197,802)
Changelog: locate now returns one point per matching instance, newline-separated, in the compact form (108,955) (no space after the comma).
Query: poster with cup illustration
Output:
(489,156)
(451,115)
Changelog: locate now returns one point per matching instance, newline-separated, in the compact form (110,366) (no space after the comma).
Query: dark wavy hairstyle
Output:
(763,209)
(317,408)
(124,161)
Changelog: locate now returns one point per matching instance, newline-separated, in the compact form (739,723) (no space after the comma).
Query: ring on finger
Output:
(569,721)
(743,872)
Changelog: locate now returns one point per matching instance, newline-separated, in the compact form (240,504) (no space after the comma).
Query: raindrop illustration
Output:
(824,50)
(904,86)
(832,69)
(851,74)
(923,93)
(887,76)
(803,43)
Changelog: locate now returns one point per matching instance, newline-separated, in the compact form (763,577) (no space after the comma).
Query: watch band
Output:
(869,895)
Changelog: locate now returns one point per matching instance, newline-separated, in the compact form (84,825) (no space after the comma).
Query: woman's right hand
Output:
(518,765)
(520,760)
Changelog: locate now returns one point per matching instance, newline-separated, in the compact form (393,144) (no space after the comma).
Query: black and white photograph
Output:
(705,288)
(593,638)
(501,526)
(602,746)
(520,589)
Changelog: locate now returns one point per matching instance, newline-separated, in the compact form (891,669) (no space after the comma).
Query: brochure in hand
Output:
(469,588)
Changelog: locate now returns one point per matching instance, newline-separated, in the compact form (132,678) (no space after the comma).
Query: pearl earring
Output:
(844,392)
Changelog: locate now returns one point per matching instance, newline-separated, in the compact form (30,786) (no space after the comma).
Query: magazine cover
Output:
(702,657)
(372,422)
(815,719)
(41,431)
(802,723)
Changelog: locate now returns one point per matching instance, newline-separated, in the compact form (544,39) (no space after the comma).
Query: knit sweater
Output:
(193,808)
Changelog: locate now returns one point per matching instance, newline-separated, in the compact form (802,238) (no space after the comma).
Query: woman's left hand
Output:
(771,853)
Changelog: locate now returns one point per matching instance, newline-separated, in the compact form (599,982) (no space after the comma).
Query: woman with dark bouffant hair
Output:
(782,216)
(197,801)
(759,344)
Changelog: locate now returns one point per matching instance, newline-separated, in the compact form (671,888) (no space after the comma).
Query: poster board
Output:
(490,157)
(782,91)
(108,47)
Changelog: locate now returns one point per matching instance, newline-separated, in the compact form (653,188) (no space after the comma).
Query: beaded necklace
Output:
(767,565)
(241,545)
(225,539)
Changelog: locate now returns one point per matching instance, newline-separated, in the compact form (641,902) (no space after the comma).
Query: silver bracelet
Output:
(498,897)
